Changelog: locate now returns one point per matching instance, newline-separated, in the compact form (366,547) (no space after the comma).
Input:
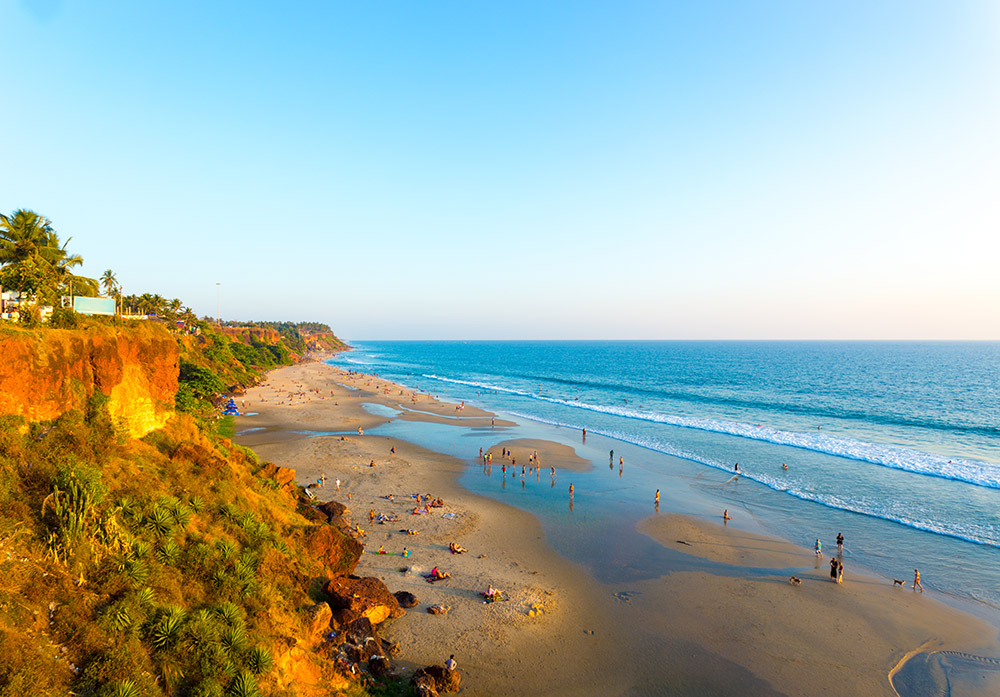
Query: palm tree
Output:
(33,260)
(109,281)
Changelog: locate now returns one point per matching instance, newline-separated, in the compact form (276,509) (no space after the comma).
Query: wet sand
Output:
(736,627)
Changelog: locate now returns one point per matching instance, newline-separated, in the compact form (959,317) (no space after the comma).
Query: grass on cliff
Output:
(162,566)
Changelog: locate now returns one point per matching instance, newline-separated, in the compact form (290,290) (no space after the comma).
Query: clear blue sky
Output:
(523,169)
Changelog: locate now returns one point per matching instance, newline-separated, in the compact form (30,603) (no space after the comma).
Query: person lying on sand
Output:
(456,548)
(419,511)
(436,503)
(437,575)
(409,532)
(493,595)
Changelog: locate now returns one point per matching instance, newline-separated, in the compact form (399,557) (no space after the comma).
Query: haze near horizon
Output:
(634,170)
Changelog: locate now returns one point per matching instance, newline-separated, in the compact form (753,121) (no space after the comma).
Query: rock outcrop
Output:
(48,372)
(336,550)
(432,680)
(353,598)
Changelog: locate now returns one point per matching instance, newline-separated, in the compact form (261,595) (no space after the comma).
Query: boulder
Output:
(406,599)
(335,549)
(332,510)
(361,597)
(438,678)
(439,609)
(379,666)
(359,632)
(319,616)
(284,476)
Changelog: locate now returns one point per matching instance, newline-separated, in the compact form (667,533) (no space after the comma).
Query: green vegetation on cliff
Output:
(161,566)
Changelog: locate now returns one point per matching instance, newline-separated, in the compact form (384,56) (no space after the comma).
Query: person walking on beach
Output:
(338,483)
(833,569)
(840,543)
(819,549)
(916,581)
(840,571)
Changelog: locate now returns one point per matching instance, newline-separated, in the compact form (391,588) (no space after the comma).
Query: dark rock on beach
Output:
(406,599)
(435,679)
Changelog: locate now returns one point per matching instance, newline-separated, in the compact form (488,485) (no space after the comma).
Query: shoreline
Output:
(700,630)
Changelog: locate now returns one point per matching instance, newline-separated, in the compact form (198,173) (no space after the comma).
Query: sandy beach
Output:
(728,623)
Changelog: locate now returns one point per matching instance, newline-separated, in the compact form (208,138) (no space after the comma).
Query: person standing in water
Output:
(570,489)
(840,543)
(657,499)
(819,549)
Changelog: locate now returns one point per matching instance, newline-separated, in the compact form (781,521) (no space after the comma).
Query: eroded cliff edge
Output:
(44,374)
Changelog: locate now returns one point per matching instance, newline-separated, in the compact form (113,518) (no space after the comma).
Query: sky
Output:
(522,170)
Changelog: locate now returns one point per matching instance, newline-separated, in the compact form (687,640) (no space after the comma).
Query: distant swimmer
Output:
(784,466)
(736,468)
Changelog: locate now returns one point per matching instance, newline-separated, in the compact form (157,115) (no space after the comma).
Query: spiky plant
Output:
(181,514)
(228,511)
(244,685)
(132,569)
(167,631)
(167,552)
(145,597)
(233,641)
(122,688)
(227,549)
(259,660)
(159,521)
(197,504)
(230,614)
(140,549)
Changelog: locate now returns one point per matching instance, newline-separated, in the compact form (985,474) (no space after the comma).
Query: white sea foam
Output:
(895,457)
(979,534)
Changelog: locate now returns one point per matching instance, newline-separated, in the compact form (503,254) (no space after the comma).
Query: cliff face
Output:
(45,373)
(247,334)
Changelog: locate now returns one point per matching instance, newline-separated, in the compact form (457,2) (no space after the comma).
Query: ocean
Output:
(895,444)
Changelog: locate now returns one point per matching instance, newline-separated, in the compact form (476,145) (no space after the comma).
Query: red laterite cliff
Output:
(46,372)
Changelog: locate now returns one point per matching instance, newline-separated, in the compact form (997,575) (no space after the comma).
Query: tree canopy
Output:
(33,261)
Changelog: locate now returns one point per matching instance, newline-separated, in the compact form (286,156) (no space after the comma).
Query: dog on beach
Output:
(795,581)
(897,582)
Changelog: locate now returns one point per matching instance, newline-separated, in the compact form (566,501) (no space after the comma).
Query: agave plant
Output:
(168,552)
(230,614)
(133,569)
(227,549)
(122,688)
(159,521)
(167,631)
(233,641)
(244,685)
(259,660)
(145,597)
(140,549)
(197,504)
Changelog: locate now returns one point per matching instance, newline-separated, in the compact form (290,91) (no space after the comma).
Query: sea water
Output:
(895,444)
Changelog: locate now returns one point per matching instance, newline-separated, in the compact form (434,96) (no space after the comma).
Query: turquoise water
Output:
(895,444)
